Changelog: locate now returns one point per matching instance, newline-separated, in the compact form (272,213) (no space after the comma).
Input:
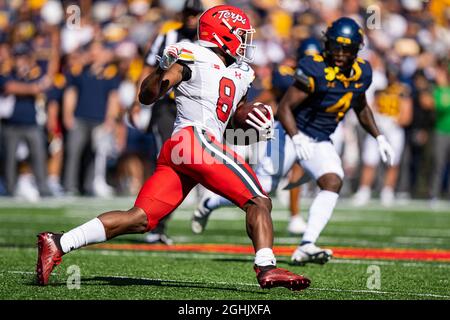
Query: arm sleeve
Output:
(305,75)
(187,72)
(114,82)
(367,75)
(54,94)
(72,80)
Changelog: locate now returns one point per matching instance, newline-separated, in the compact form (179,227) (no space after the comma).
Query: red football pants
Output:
(189,157)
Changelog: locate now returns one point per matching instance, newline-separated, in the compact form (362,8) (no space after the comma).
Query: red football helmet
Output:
(228,28)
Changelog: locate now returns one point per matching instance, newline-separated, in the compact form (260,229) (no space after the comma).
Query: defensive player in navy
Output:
(326,86)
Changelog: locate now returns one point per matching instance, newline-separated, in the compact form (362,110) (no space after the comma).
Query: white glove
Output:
(170,55)
(139,120)
(303,146)
(261,123)
(385,149)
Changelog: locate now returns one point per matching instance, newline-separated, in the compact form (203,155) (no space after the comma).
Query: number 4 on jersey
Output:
(227,90)
(340,107)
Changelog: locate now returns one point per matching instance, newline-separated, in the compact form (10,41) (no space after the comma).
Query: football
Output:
(241,114)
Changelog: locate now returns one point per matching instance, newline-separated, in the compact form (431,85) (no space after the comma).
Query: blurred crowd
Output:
(70,70)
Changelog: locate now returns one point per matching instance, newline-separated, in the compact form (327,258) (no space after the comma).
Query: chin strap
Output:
(223,46)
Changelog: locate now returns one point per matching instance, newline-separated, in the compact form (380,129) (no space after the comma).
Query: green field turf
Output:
(115,274)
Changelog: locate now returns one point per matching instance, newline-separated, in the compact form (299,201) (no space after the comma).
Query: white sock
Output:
(216,201)
(387,190)
(53,179)
(92,231)
(265,257)
(319,214)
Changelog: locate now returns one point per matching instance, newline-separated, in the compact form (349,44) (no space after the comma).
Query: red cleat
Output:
(49,255)
(279,277)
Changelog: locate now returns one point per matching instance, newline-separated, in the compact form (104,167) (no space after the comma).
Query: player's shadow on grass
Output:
(125,281)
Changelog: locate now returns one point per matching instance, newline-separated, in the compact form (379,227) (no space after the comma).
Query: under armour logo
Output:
(237,75)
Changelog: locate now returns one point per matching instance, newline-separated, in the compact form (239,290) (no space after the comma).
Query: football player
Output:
(279,158)
(393,112)
(326,86)
(211,80)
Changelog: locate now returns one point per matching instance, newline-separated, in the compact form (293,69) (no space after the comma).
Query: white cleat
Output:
(158,238)
(362,197)
(387,197)
(102,189)
(297,225)
(26,188)
(200,217)
(310,253)
(55,187)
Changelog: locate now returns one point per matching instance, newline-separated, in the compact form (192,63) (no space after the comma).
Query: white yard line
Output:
(350,240)
(383,292)
(421,240)
(253,285)
(413,235)
(244,257)
(209,256)
(90,203)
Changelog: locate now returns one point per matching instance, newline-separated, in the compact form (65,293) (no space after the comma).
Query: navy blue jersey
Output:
(93,91)
(24,108)
(56,92)
(332,95)
(282,79)
(3,80)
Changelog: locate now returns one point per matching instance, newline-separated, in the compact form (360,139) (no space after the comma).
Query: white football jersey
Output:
(210,97)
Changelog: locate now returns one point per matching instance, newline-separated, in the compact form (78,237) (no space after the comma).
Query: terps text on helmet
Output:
(235,17)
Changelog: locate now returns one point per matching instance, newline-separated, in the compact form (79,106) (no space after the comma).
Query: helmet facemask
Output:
(338,51)
(246,50)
